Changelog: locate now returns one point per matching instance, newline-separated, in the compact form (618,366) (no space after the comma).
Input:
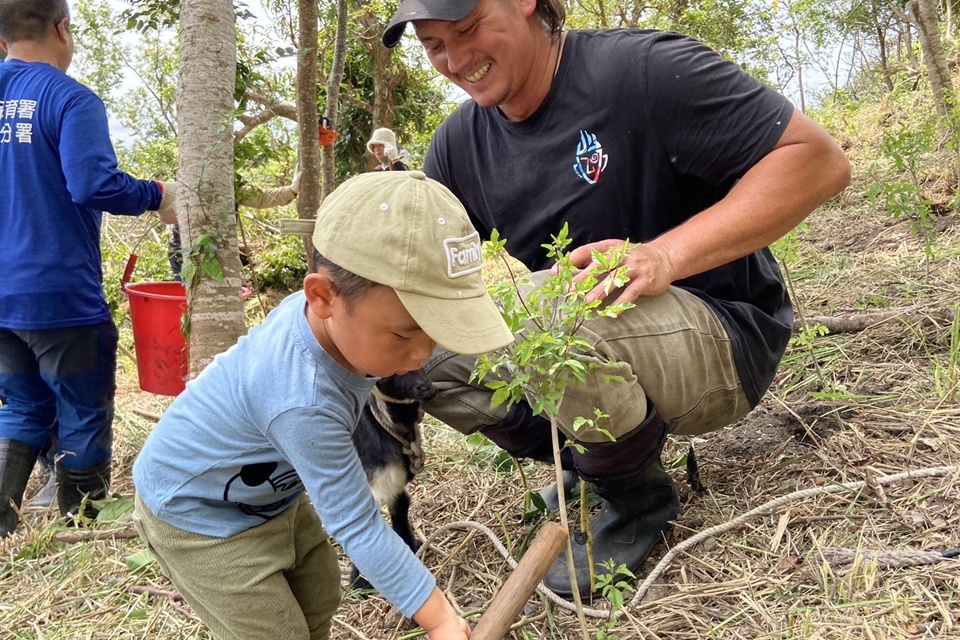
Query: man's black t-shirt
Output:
(640,131)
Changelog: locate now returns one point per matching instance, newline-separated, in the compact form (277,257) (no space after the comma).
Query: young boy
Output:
(222,481)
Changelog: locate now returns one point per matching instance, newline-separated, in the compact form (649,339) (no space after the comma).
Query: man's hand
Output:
(166,211)
(295,185)
(649,269)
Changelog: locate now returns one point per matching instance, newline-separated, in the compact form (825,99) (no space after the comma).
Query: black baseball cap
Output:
(409,10)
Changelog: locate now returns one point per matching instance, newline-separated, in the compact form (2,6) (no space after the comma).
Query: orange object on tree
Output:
(327,135)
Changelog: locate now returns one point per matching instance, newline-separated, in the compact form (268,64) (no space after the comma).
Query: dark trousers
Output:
(59,385)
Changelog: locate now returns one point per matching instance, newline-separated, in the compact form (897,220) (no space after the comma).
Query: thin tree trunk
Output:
(949,20)
(309,198)
(385,81)
(884,65)
(205,206)
(332,111)
(934,58)
(797,42)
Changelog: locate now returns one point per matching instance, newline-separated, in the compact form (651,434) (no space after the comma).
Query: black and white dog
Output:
(387,438)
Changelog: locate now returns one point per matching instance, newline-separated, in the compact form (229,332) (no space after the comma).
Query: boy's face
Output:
(374,335)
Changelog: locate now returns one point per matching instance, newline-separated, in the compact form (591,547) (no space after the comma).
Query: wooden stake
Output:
(518,588)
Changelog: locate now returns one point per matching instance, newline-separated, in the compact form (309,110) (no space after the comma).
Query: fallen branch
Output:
(172,596)
(72,537)
(840,557)
(864,321)
(146,414)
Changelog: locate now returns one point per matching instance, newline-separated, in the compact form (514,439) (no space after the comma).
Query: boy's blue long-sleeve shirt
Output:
(58,174)
(267,419)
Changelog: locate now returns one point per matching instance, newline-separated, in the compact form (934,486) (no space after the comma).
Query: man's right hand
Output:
(166,211)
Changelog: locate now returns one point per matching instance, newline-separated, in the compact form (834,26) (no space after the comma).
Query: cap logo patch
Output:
(463,255)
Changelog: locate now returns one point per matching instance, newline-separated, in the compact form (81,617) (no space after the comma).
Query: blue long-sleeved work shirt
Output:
(58,174)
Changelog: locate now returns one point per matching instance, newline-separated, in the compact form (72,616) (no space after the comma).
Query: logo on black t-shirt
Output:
(591,160)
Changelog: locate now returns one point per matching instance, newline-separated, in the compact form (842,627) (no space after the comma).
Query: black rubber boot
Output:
(571,483)
(16,464)
(75,484)
(638,507)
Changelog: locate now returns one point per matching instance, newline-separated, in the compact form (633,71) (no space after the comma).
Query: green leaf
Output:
(189,271)
(139,560)
(503,462)
(213,270)
(113,509)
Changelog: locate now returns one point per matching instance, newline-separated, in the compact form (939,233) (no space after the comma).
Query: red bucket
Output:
(155,311)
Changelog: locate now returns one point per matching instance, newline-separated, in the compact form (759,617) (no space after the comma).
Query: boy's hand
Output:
(439,620)
(454,628)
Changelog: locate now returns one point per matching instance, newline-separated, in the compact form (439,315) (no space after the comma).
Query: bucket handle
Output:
(132,259)
(128,271)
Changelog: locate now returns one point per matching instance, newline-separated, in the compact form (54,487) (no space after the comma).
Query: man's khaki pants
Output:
(669,350)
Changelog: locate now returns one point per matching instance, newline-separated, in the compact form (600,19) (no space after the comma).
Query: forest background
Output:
(863,419)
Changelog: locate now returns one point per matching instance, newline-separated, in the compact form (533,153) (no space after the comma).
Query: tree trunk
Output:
(205,207)
(385,80)
(906,45)
(332,110)
(307,119)
(798,48)
(884,65)
(951,36)
(934,58)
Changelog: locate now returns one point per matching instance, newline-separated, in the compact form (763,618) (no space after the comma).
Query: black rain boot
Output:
(638,507)
(74,484)
(571,482)
(16,464)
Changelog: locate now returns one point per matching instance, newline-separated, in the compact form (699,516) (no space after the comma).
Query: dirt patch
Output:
(768,432)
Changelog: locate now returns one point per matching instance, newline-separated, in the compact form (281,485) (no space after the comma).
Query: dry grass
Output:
(870,407)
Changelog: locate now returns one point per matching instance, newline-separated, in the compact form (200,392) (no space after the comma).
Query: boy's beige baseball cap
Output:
(406,231)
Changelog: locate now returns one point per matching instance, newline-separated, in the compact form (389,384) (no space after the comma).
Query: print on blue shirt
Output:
(254,475)
(17,110)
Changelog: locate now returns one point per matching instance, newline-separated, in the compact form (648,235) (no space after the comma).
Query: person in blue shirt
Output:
(58,343)
(225,481)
